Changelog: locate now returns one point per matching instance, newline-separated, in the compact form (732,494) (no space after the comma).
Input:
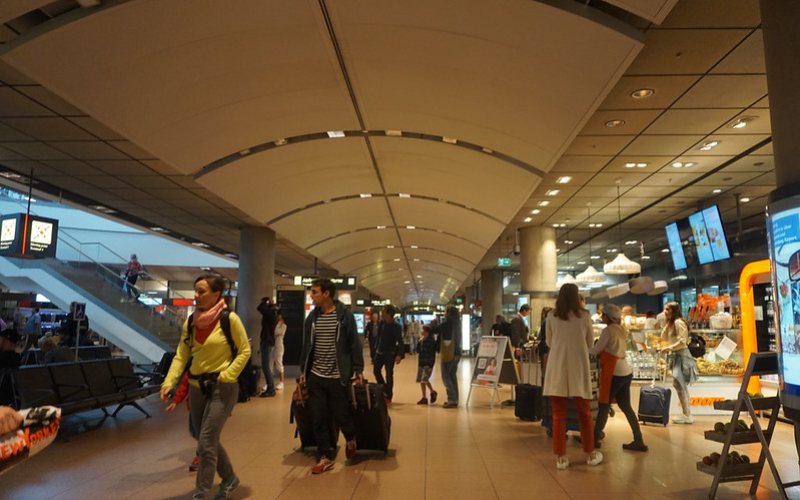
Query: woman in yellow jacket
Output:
(213,379)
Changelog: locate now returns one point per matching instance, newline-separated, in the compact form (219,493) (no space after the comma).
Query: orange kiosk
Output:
(754,272)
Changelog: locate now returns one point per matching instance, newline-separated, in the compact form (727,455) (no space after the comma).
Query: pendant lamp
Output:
(590,275)
(621,264)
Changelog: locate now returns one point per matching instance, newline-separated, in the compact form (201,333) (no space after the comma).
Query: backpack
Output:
(247,388)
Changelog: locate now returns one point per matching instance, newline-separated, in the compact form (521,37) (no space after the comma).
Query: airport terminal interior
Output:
(429,155)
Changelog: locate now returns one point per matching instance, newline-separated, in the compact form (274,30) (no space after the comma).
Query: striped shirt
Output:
(324,362)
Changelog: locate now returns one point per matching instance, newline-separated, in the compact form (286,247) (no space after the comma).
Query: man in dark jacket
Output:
(269,318)
(389,350)
(519,330)
(448,340)
(332,354)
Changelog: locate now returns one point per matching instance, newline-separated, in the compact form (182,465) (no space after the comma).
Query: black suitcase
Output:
(370,417)
(248,382)
(300,414)
(654,405)
(528,403)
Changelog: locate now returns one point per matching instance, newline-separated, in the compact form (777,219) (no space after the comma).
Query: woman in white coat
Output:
(569,336)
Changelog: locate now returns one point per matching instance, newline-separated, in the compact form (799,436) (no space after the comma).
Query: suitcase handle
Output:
(353,395)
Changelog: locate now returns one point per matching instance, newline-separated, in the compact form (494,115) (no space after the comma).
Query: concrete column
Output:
(779,20)
(256,280)
(491,297)
(538,267)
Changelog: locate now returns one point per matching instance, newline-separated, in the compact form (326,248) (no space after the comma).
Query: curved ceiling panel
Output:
(446,242)
(494,74)
(327,220)
(453,174)
(220,78)
(356,244)
(269,184)
(469,225)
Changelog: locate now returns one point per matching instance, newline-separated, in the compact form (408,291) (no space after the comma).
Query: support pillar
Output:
(538,268)
(256,280)
(491,297)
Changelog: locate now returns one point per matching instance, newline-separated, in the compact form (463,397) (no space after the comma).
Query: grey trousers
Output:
(208,416)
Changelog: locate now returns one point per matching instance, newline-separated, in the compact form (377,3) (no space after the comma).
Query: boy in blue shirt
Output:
(427,358)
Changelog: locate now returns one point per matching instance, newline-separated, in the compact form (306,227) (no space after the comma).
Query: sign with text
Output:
(341,282)
(503,262)
(30,236)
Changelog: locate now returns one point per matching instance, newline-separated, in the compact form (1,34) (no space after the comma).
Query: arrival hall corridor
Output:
(470,453)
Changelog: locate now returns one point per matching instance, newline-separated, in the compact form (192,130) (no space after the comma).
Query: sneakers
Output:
(449,404)
(279,386)
(324,464)
(434,394)
(423,401)
(267,394)
(683,419)
(195,464)
(350,449)
(562,462)
(226,488)
(635,446)
(594,458)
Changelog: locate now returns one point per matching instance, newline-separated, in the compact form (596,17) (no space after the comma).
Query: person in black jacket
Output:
(331,355)
(425,363)
(519,330)
(269,318)
(389,350)
(448,342)
(9,357)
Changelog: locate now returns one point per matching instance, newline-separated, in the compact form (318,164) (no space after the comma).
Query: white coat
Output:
(567,374)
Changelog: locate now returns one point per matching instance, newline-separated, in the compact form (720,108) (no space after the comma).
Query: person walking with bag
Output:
(217,342)
(569,335)
(683,366)
(448,341)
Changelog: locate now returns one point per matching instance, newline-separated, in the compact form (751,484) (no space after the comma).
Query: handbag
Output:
(697,345)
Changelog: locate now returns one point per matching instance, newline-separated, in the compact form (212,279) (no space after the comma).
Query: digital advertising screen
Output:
(716,233)
(675,246)
(783,223)
(11,234)
(701,243)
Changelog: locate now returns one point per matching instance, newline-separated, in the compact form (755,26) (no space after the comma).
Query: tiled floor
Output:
(477,452)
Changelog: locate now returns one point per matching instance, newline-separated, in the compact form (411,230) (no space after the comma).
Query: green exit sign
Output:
(503,262)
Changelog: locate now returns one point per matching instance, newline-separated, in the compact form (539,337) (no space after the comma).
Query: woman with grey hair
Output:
(684,368)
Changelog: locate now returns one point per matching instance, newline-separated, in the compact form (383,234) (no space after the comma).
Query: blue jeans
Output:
(266,365)
(450,380)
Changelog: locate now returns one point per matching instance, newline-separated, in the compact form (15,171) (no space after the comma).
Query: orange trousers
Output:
(559,405)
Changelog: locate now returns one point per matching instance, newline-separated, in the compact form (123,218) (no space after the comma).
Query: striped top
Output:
(324,362)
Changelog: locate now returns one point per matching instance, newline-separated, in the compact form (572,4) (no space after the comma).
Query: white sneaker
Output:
(279,386)
(595,458)
(562,462)
(683,419)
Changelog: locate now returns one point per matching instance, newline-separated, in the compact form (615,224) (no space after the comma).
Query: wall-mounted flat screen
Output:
(701,244)
(675,246)
(716,233)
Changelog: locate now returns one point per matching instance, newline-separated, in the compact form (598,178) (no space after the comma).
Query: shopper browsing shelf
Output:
(682,364)
(569,335)
(615,377)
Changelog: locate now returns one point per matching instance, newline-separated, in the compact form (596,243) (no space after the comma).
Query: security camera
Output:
(517,250)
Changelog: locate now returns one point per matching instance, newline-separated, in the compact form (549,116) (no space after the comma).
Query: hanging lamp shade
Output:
(622,265)
(617,290)
(598,293)
(659,287)
(640,285)
(590,275)
(567,278)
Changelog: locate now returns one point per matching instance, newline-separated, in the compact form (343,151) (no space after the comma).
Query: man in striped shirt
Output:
(331,356)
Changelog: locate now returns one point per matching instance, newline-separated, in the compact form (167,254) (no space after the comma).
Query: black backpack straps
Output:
(190,331)
(225,324)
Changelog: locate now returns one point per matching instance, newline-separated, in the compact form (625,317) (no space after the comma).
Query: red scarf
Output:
(204,322)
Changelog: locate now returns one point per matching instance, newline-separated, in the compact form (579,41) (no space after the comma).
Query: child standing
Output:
(427,358)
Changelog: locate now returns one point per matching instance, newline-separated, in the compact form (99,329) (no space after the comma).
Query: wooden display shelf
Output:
(731,472)
(742,437)
(758,404)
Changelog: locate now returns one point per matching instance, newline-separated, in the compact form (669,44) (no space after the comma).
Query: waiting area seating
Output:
(36,356)
(80,386)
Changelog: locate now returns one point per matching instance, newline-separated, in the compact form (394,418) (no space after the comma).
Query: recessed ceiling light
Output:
(11,175)
(449,140)
(407,282)
(709,145)
(400,269)
(200,244)
(581,262)
(645,257)
(381,227)
(419,276)
(595,257)
(630,164)
(609,250)
(552,192)
(335,133)
(280,142)
(396,260)
(716,191)
(742,121)
(416,260)
(389,246)
(487,151)
(527,219)
(641,165)
(595,225)
(642,93)
(665,250)
(365,195)
(564,179)
(615,123)
(414,246)
(536,211)
(744,199)
(631,242)
(543,203)
(404,195)
(568,242)
(678,164)
(394,133)
(411,227)
(244,152)
(158,229)
(562,225)
(555,225)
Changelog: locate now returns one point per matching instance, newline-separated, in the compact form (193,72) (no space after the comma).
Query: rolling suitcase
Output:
(654,403)
(371,417)
(300,414)
(529,402)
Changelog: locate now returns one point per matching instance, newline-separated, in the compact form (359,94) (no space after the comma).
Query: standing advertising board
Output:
(494,364)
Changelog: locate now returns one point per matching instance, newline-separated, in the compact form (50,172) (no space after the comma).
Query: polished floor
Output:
(477,452)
